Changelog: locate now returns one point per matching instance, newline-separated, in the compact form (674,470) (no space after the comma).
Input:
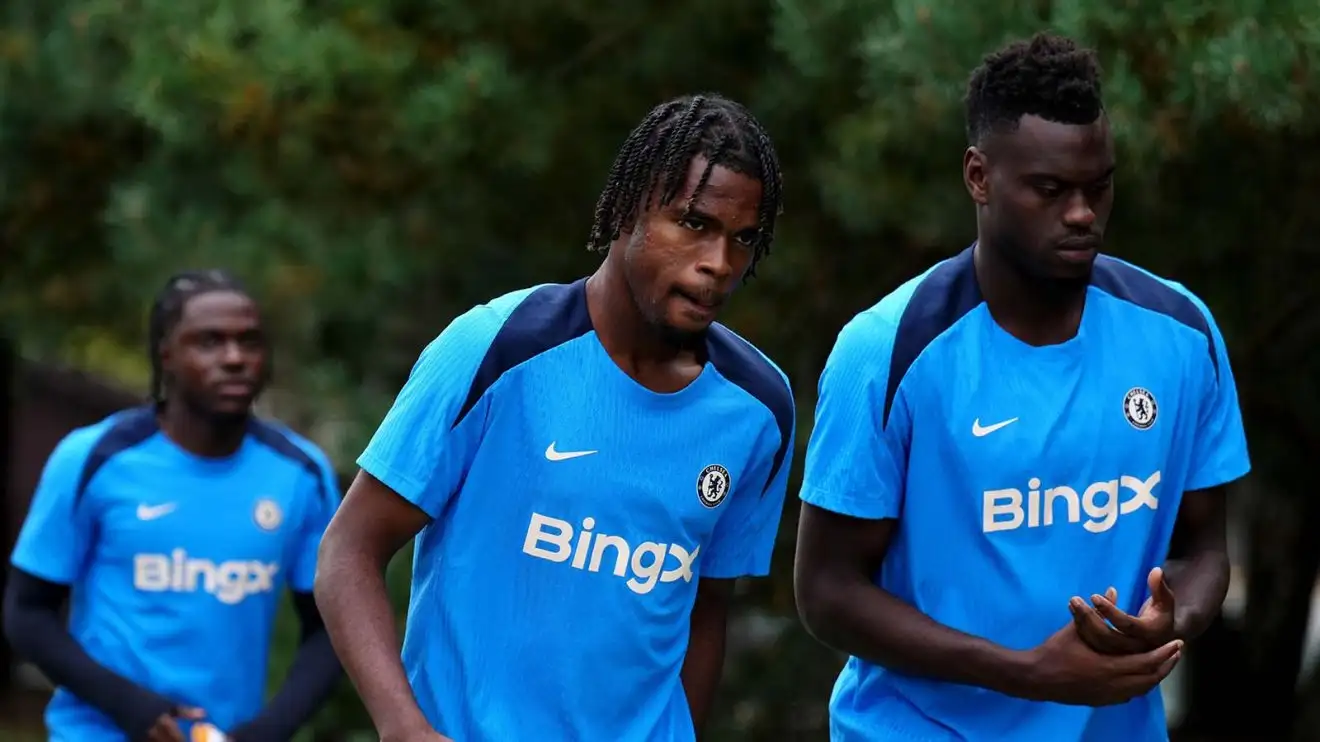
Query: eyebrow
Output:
(1055,176)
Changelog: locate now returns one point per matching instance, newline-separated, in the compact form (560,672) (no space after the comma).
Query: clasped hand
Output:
(1152,627)
(1091,663)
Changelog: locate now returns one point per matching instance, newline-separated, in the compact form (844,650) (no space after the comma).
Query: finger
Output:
(191,713)
(1098,635)
(1160,592)
(1121,620)
(1150,662)
(169,731)
(1112,595)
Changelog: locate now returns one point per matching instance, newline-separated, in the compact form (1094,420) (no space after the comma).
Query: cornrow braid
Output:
(654,159)
(167,310)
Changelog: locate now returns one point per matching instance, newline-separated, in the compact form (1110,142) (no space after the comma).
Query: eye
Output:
(1048,190)
(692,223)
(749,238)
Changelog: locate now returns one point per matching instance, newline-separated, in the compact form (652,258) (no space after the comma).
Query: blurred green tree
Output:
(374,168)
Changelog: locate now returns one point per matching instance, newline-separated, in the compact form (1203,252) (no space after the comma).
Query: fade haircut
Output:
(1047,76)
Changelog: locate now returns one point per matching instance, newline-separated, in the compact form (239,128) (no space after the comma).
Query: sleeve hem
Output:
(868,507)
(36,570)
(1219,476)
(403,485)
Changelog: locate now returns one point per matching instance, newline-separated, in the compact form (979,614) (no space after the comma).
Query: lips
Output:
(1083,245)
(236,388)
(711,300)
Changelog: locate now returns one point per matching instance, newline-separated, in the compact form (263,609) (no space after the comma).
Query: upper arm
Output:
(57,534)
(322,500)
(1219,449)
(856,463)
(857,455)
(373,520)
(425,444)
(744,537)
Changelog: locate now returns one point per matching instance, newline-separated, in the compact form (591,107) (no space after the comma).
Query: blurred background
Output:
(374,167)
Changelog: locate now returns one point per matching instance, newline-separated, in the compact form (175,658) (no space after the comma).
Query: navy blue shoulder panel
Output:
(1130,284)
(278,441)
(132,427)
(942,298)
(548,317)
(741,364)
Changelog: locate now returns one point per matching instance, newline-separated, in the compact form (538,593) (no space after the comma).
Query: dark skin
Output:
(651,301)
(214,359)
(215,363)
(1043,195)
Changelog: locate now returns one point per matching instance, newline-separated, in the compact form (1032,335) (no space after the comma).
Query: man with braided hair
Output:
(174,528)
(1004,446)
(586,468)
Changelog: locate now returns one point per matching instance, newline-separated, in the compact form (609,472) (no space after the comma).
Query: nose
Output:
(714,260)
(234,354)
(1079,214)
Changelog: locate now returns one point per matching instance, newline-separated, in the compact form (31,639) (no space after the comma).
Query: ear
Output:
(976,175)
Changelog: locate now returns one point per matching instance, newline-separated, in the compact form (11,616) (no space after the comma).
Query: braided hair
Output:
(167,310)
(653,163)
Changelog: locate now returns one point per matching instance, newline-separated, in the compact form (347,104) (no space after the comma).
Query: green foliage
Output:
(374,168)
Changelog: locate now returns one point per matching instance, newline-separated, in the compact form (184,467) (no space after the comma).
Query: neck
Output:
(1036,311)
(619,323)
(200,434)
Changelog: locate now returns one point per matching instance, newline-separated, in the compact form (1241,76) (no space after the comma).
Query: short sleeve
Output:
(1219,454)
(57,536)
(744,536)
(422,449)
(323,499)
(856,460)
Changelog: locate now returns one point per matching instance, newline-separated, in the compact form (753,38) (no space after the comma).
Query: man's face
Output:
(682,262)
(1045,191)
(215,357)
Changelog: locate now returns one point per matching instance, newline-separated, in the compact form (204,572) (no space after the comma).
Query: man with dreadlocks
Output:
(587,468)
(174,527)
(1004,446)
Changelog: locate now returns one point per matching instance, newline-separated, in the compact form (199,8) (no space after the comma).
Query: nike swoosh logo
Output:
(152,512)
(552,455)
(981,432)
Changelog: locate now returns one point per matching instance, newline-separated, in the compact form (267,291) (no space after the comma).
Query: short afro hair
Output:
(1047,76)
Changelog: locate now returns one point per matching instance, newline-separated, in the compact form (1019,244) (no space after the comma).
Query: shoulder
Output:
(111,434)
(1129,283)
(745,366)
(886,338)
(287,443)
(492,338)
(540,316)
(1169,301)
(85,450)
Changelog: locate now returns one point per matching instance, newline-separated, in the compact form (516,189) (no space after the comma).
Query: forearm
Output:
(351,594)
(702,667)
(37,634)
(869,623)
(1200,585)
(310,680)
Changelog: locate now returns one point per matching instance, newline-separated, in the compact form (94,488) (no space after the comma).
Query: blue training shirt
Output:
(1020,476)
(176,562)
(574,511)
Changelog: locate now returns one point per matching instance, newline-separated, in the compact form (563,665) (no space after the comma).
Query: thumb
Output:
(192,713)
(1160,592)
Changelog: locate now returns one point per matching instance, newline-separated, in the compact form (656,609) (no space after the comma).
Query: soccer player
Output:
(1004,445)
(587,468)
(175,527)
